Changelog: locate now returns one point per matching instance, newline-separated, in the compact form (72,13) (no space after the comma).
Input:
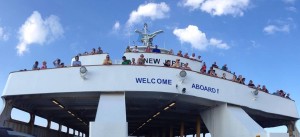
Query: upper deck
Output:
(141,84)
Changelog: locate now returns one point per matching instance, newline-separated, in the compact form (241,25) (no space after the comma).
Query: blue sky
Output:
(258,39)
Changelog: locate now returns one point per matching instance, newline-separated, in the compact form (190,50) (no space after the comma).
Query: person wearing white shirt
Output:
(135,49)
(76,63)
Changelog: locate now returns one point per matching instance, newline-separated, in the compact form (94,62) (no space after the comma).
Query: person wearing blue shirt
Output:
(156,50)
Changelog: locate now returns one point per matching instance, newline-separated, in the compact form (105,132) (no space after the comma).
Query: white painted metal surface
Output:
(145,78)
(220,72)
(230,121)
(296,132)
(111,117)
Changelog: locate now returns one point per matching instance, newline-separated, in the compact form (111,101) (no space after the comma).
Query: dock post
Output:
(5,112)
(31,123)
(291,128)
(182,129)
(171,131)
(198,127)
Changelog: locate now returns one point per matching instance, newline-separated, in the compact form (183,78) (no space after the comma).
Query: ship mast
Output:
(146,38)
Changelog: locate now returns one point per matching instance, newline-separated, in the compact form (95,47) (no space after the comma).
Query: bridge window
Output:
(40,121)
(54,126)
(20,115)
(64,128)
(71,131)
(76,132)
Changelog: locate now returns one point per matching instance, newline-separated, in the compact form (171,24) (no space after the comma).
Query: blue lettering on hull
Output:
(153,81)
(205,88)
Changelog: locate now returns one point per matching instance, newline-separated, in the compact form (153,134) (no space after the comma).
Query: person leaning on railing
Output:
(215,65)
(193,57)
(199,58)
(234,78)
(125,61)
(62,65)
(203,68)
(128,49)
(240,79)
(133,61)
(171,52)
(258,87)
(44,65)
(264,89)
(76,63)
(225,68)
(148,49)
(141,60)
(107,61)
(224,76)
(135,49)
(179,53)
(99,51)
(210,72)
(243,81)
(93,52)
(156,50)
(186,55)
(167,63)
(186,66)
(176,64)
(250,84)
(35,66)
(57,63)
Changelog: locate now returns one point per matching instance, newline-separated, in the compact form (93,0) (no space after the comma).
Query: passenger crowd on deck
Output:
(141,61)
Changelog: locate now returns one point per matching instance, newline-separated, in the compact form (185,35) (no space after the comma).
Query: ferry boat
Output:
(141,100)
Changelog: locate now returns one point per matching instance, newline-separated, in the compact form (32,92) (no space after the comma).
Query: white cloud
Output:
(218,43)
(218,7)
(193,4)
(151,10)
(198,40)
(271,29)
(3,34)
(193,36)
(289,1)
(280,26)
(292,9)
(35,30)
(117,26)
(254,44)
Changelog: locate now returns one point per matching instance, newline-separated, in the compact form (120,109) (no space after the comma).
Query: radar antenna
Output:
(146,38)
